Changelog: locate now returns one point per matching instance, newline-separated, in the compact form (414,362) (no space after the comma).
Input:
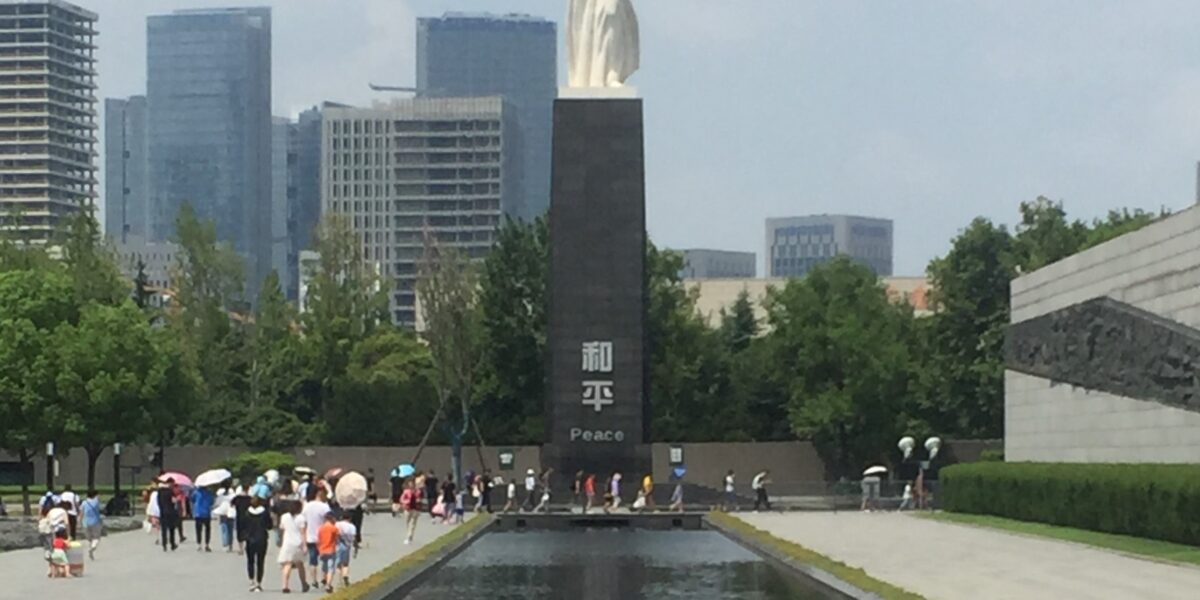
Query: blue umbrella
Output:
(680,472)
(403,471)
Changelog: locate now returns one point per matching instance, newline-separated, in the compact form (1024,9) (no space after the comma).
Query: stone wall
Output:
(1109,380)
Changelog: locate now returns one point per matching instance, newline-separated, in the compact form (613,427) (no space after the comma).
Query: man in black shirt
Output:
(168,513)
(431,491)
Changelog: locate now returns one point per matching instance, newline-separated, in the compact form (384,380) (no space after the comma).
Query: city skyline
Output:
(925,114)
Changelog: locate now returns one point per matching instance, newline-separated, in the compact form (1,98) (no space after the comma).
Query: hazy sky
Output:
(929,113)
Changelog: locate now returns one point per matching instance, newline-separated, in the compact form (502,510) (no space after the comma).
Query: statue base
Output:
(625,92)
(597,407)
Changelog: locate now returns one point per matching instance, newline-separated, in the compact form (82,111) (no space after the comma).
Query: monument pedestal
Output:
(598,410)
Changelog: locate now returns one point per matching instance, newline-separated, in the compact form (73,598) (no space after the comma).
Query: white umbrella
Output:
(213,477)
(876,470)
(272,478)
(351,490)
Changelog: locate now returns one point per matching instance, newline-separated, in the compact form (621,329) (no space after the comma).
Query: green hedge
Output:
(1159,502)
(249,465)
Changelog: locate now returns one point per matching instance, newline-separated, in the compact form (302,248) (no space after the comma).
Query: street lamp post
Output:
(116,469)
(50,465)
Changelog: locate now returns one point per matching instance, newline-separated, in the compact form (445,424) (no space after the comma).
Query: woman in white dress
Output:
(153,515)
(292,550)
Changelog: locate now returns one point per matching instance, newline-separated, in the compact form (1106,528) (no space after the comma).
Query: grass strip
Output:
(856,577)
(362,588)
(1136,546)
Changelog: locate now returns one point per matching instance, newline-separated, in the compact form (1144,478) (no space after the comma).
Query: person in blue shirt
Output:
(202,505)
(93,521)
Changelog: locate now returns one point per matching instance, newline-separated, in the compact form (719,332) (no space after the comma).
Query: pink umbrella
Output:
(180,479)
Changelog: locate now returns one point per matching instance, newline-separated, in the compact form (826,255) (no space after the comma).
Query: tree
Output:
(32,304)
(141,287)
(1045,236)
(386,396)
(208,283)
(113,380)
(739,326)
(347,301)
(964,380)
(513,301)
(689,364)
(841,348)
(449,296)
(92,265)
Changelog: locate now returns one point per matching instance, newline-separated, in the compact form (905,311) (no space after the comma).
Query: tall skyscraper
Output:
(209,93)
(437,166)
(513,56)
(47,115)
(797,244)
(126,212)
(282,201)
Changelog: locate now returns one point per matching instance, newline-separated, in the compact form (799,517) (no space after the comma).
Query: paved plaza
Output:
(129,565)
(945,561)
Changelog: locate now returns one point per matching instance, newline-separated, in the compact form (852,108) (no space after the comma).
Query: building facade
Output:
(126,212)
(797,244)
(718,264)
(716,295)
(209,121)
(158,260)
(441,167)
(513,56)
(1101,352)
(47,115)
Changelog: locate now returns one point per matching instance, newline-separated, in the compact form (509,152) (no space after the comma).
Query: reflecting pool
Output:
(595,564)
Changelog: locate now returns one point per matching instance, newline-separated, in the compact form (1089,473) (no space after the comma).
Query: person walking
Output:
(356,515)
(906,501)
(225,514)
(589,491)
(486,489)
(93,521)
(530,488)
(202,510)
(348,538)
(241,507)
(168,514)
(314,517)
(182,504)
(410,501)
(291,550)
(577,498)
(677,497)
(449,498)
(432,491)
(71,499)
(615,490)
(730,496)
(258,534)
(511,493)
(327,536)
(759,485)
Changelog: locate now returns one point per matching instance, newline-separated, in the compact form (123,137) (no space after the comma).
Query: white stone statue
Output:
(603,43)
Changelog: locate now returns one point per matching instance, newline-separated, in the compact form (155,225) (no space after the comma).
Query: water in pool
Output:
(602,564)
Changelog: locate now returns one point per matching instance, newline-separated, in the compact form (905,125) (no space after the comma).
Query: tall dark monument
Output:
(598,402)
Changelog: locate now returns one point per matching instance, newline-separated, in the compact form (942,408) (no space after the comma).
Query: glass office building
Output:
(209,122)
(125,175)
(797,244)
(512,56)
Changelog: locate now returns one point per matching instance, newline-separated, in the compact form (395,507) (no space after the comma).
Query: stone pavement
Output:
(955,562)
(129,565)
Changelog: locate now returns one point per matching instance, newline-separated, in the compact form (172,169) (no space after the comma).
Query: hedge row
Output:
(1159,502)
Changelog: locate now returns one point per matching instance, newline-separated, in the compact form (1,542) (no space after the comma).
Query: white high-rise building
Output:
(47,115)
(449,168)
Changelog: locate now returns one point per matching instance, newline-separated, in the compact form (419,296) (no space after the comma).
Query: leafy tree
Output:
(964,381)
(386,396)
(92,265)
(448,293)
(32,304)
(347,301)
(1045,236)
(513,301)
(113,380)
(1118,223)
(842,348)
(689,365)
(739,326)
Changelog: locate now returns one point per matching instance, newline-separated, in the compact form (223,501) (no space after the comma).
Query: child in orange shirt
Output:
(327,539)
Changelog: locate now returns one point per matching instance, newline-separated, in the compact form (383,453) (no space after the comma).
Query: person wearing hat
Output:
(530,489)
